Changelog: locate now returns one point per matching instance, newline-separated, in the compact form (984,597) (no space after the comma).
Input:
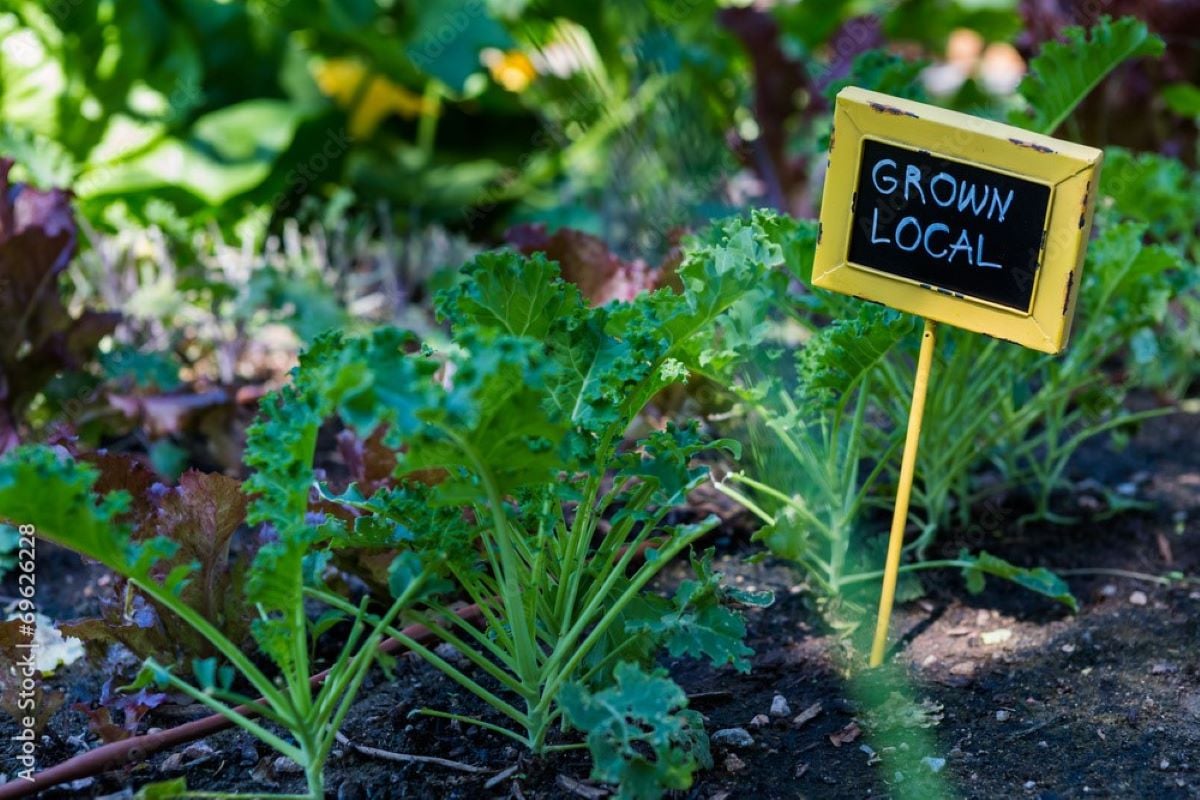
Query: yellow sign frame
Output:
(1072,172)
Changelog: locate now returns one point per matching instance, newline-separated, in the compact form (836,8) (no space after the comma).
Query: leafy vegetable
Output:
(39,337)
(510,484)
(1063,73)
(640,733)
(41,487)
(524,439)
(820,469)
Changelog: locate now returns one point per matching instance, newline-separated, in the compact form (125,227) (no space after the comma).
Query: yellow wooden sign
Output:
(957,219)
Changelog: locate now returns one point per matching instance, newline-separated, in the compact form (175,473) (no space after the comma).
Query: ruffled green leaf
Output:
(640,733)
(702,624)
(1065,72)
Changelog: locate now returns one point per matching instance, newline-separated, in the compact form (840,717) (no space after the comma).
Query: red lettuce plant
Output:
(39,338)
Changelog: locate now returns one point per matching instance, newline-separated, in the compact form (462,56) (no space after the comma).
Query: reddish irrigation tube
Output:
(139,748)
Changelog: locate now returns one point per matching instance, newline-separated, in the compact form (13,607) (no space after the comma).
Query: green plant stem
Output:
(866,577)
(437,661)
(1115,573)
(524,642)
(242,721)
(557,676)
(278,700)
(500,729)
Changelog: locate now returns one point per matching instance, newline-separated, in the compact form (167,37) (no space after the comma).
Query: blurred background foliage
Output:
(476,113)
(247,174)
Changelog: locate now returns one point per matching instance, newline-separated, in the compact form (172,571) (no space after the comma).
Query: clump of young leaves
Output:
(640,731)
(39,337)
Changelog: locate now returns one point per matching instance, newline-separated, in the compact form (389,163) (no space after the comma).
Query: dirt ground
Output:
(1001,694)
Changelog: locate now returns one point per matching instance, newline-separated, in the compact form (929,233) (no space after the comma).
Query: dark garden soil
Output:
(1001,694)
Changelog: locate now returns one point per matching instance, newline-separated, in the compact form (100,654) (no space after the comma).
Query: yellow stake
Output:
(916,413)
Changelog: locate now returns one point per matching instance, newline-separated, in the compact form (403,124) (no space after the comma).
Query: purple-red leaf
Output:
(38,336)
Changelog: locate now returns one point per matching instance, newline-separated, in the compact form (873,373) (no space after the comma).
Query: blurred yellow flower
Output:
(513,69)
(342,80)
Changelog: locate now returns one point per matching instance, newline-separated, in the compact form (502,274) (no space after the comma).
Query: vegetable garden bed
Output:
(465,399)
(1012,688)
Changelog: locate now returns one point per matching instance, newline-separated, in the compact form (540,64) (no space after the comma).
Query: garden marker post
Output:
(955,219)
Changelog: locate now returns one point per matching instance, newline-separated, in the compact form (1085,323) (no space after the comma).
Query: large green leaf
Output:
(47,490)
(449,36)
(229,152)
(1063,73)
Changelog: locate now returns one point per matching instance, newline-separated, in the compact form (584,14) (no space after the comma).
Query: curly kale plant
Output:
(513,470)
(513,488)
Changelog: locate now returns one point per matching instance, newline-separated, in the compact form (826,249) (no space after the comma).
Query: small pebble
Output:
(780,707)
(1164,764)
(963,668)
(733,737)
(760,721)
(1108,590)
(998,636)
(1030,784)
(1068,648)
(1003,715)
(1138,598)
(285,766)
(734,764)
(935,764)
(450,653)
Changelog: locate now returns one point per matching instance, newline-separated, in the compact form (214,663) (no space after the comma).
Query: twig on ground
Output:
(502,776)
(581,789)
(405,758)
(1033,728)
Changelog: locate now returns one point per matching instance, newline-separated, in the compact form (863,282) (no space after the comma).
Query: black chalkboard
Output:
(948,225)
